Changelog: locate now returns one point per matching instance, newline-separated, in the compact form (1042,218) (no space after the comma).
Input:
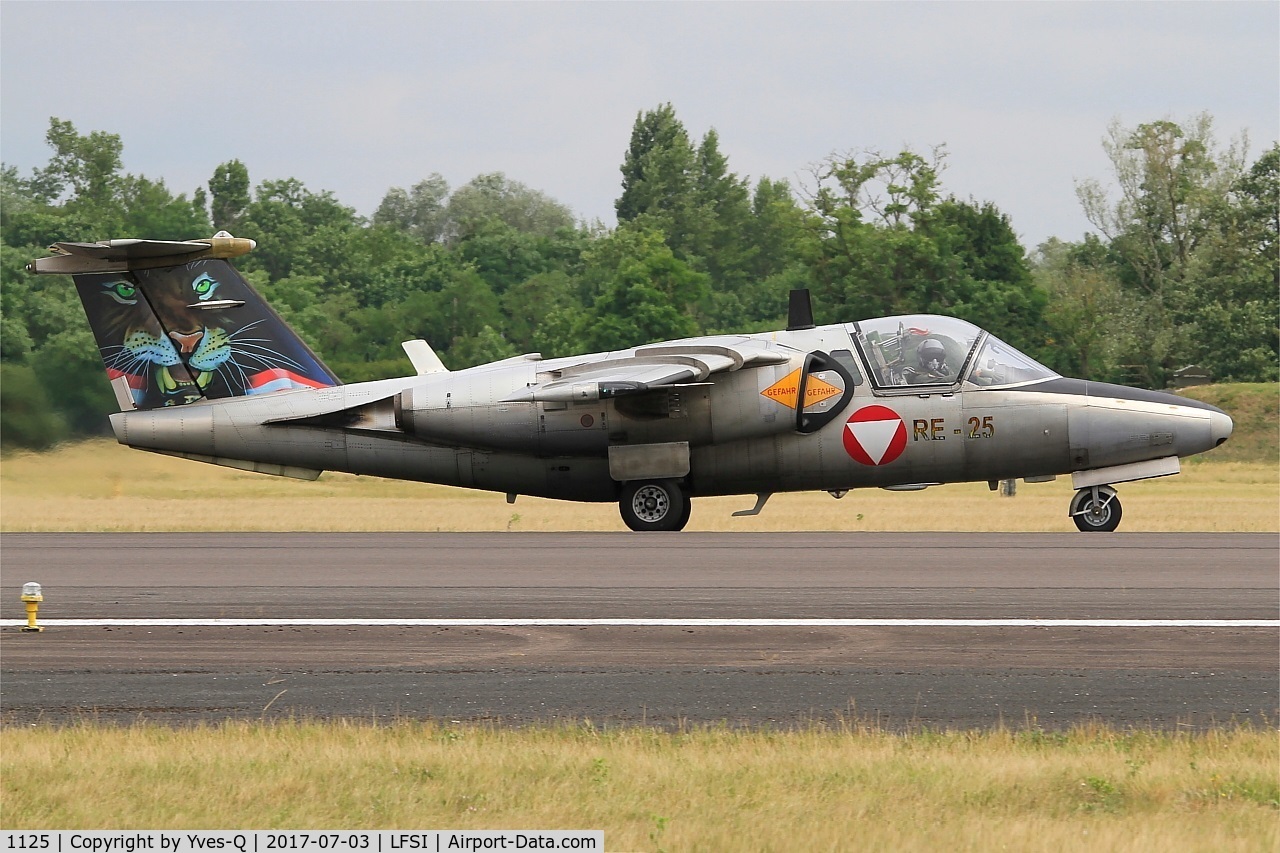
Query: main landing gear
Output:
(1096,509)
(654,505)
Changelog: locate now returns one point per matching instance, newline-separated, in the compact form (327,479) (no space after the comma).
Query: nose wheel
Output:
(1096,509)
(654,505)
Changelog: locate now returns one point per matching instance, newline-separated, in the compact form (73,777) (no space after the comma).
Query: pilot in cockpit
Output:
(931,364)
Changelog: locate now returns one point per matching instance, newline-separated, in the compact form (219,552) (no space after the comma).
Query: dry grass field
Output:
(102,486)
(705,789)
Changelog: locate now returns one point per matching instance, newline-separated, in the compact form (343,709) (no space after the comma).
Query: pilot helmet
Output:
(932,354)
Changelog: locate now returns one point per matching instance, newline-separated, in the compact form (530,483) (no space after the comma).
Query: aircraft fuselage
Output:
(203,368)
(461,429)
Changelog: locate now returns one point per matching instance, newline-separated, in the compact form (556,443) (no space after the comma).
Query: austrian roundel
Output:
(875,435)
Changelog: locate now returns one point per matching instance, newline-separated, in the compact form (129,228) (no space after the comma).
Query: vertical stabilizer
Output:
(179,325)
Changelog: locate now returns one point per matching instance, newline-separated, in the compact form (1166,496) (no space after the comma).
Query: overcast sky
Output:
(359,97)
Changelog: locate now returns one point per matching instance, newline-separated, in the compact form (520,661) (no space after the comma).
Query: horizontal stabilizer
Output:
(110,256)
(126,250)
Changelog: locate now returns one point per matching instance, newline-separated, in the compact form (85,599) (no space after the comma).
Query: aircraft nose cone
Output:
(1220,427)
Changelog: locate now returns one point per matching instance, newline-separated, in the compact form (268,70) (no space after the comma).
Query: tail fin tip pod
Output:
(176,323)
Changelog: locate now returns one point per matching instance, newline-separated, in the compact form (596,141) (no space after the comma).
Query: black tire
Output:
(688,511)
(1100,516)
(654,505)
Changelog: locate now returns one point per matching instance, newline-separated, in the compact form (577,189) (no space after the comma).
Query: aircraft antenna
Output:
(799,311)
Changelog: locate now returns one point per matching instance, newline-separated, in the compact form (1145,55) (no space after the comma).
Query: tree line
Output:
(1183,268)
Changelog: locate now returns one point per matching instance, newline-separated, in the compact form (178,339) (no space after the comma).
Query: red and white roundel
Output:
(875,435)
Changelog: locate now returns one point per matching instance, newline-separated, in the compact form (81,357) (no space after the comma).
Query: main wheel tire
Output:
(688,511)
(1100,515)
(654,505)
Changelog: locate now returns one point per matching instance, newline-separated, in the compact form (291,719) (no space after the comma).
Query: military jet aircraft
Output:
(204,369)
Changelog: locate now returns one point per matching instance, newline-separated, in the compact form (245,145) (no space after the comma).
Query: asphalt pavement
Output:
(943,674)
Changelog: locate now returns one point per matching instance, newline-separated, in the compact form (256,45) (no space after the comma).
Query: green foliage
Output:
(527,305)
(886,243)
(992,285)
(26,418)
(149,209)
(293,224)
(640,292)
(505,256)
(1185,269)
(484,346)
(87,165)
(646,292)
(1085,303)
(229,188)
(775,230)
(689,196)
(70,372)
(1189,252)
(495,198)
(1232,301)
(656,173)
(892,191)
(418,212)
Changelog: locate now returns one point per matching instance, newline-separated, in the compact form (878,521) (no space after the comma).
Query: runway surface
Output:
(770,670)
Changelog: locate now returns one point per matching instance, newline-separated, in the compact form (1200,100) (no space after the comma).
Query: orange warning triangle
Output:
(815,391)
(786,390)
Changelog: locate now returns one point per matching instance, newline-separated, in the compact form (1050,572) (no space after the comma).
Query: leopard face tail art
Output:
(175,323)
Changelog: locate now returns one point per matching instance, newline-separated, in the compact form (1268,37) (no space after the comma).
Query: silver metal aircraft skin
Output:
(899,403)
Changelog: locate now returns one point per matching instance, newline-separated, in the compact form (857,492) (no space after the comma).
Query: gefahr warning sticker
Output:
(875,435)
(787,390)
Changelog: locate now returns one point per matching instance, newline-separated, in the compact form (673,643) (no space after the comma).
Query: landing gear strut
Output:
(1096,509)
(654,505)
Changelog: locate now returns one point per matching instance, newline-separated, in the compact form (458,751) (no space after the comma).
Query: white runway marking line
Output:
(651,623)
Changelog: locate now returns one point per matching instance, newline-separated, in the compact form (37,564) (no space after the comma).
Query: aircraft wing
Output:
(647,368)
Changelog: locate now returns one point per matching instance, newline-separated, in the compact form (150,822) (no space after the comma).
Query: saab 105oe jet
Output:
(204,369)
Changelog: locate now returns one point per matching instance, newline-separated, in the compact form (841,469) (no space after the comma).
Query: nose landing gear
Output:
(1096,509)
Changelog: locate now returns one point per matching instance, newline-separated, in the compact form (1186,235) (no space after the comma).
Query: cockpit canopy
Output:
(926,349)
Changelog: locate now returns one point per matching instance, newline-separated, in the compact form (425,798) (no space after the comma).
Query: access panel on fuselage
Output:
(573,428)
(1007,435)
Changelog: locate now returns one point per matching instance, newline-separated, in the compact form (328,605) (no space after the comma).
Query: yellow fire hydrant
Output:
(31,597)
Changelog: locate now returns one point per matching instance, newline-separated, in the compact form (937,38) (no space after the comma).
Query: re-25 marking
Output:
(934,429)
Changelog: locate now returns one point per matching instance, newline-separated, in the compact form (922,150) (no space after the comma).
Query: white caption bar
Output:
(653,623)
(298,841)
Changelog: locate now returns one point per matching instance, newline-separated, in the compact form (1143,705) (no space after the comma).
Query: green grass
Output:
(854,787)
(1255,408)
